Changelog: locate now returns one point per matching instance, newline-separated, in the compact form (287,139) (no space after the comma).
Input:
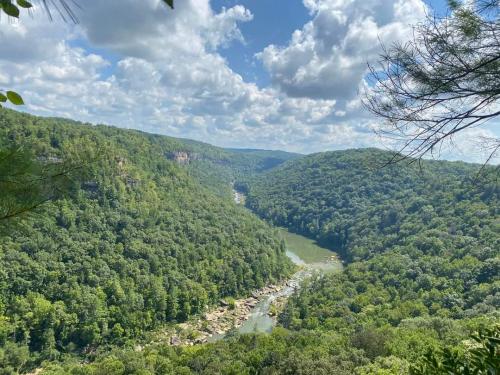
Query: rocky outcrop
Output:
(230,315)
(182,157)
(175,341)
(217,322)
(50,159)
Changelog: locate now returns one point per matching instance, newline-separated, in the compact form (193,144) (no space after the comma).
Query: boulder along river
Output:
(256,313)
(311,258)
(306,254)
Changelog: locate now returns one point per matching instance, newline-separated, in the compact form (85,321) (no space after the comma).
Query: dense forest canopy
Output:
(424,239)
(347,201)
(112,239)
(136,245)
(422,275)
(148,236)
(423,247)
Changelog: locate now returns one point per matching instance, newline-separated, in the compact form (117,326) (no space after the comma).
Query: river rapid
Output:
(305,253)
(318,260)
(257,313)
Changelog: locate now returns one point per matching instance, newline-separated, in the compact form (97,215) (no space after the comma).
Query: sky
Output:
(271,74)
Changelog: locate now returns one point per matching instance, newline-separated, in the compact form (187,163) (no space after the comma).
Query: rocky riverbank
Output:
(230,315)
(257,313)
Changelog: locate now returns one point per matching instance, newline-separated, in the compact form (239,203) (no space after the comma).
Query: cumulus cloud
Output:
(157,71)
(30,41)
(147,30)
(328,57)
(137,65)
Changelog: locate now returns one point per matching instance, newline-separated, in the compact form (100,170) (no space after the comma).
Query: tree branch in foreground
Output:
(445,80)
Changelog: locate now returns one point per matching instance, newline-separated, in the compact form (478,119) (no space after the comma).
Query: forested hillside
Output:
(420,241)
(350,203)
(217,169)
(148,235)
(129,253)
(422,249)
(137,244)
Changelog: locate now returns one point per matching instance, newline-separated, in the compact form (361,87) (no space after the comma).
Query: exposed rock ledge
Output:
(217,322)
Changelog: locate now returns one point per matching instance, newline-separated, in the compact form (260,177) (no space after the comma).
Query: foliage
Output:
(150,237)
(11,8)
(138,244)
(26,181)
(281,352)
(422,247)
(347,202)
(11,97)
(482,356)
(218,169)
(422,274)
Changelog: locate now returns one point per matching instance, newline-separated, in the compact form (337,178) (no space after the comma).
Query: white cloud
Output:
(31,39)
(138,65)
(168,77)
(146,29)
(472,144)
(328,57)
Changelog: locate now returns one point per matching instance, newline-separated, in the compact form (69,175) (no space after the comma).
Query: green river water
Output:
(303,252)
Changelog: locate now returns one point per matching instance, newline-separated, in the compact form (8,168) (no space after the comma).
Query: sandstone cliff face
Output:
(182,157)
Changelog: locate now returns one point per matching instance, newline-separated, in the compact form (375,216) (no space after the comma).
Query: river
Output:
(305,253)
(312,259)
(257,313)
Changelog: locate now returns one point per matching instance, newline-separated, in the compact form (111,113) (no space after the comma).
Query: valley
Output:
(170,256)
(215,187)
(317,261)
(257,313)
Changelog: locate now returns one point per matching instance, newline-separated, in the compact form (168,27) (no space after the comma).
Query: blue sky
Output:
(273,23)
(274,74)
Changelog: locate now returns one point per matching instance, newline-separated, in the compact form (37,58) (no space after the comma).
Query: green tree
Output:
(481,357)
(26,180)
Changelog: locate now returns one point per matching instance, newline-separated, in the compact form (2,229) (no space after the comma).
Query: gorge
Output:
(147,257)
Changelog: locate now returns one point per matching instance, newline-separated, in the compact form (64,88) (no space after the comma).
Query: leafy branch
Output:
(481,358)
